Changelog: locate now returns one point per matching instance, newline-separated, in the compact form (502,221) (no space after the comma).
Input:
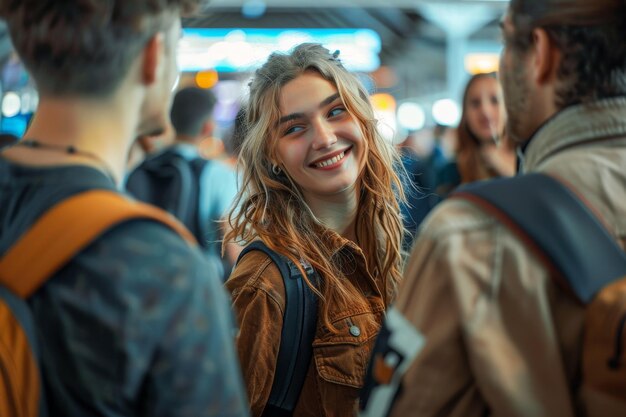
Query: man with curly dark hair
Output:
(136,324)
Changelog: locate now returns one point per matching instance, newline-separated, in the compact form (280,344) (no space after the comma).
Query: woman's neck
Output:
(337,212)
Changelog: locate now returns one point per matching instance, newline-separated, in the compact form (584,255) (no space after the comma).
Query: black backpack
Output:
(172,182)
(299,324)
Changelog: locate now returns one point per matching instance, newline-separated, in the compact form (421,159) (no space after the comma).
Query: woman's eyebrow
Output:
(323,103)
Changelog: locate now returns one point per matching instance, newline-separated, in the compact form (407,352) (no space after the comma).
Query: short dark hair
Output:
(590,35)
(85,47)
(191,108)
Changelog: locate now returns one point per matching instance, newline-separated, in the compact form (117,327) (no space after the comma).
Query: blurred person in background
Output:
(419,186)
(196,190)
(443,150)
(483,150)
(148,144)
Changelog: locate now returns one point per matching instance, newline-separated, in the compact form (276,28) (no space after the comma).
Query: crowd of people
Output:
(354,277)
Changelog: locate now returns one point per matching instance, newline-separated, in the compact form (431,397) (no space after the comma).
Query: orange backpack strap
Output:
(66,229)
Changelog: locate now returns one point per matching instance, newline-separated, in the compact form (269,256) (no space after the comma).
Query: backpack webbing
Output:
(65,230)
(557,226)
(55,238)
(298,332)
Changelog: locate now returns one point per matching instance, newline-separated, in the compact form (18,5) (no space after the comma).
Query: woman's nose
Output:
(323,135)
(489,110)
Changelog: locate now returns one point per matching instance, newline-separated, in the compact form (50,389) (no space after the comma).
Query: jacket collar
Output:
(576,125)
(337,243)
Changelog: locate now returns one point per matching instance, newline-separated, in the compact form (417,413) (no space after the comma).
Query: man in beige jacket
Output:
(489,331)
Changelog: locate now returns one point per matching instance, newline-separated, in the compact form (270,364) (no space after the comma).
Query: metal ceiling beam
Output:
(351,3)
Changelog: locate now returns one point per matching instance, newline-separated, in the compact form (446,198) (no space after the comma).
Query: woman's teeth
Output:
(331,160)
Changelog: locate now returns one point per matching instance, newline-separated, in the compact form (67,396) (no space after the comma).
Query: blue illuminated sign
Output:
(230,50)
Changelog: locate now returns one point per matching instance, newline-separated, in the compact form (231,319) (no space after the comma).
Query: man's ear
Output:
(207,128)
(546,57)
(151,58)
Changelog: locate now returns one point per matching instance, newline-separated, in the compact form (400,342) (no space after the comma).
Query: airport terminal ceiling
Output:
(414,33)
(423,45)
(407,27)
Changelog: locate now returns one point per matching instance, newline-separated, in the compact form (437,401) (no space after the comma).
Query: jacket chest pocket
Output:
(342,357)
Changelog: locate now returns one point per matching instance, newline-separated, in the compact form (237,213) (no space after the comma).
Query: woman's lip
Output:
(329,156)
(334,165)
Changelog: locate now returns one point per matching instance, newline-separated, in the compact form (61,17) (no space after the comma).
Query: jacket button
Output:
(355,331)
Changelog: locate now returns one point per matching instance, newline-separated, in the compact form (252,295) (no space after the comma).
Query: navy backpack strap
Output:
(201,186)
(557,225)
(184,205)
(299,325)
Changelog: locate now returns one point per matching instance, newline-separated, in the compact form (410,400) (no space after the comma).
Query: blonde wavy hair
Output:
(271,206)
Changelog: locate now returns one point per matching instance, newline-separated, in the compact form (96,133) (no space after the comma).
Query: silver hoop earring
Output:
(276,169)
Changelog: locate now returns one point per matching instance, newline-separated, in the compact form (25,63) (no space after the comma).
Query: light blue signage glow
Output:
(230,50)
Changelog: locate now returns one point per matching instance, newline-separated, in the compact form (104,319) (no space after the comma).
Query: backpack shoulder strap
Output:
(299,324)
(557,226)
(198,164)
(202,216)
(67,228)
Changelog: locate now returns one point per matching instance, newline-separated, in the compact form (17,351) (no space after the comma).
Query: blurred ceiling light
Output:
(11,104)
(253,9)
(244,50)
(446,112)
(411,116)
(479,63)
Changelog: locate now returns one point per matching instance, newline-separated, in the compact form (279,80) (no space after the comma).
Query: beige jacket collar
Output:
(574,126)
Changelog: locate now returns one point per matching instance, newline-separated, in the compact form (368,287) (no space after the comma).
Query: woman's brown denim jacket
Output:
(339,362)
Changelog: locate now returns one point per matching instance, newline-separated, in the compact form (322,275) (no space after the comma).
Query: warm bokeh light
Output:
(383,102)
(480,63)
(207,79)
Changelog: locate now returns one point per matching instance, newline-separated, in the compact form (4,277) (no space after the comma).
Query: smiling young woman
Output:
(319,187)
